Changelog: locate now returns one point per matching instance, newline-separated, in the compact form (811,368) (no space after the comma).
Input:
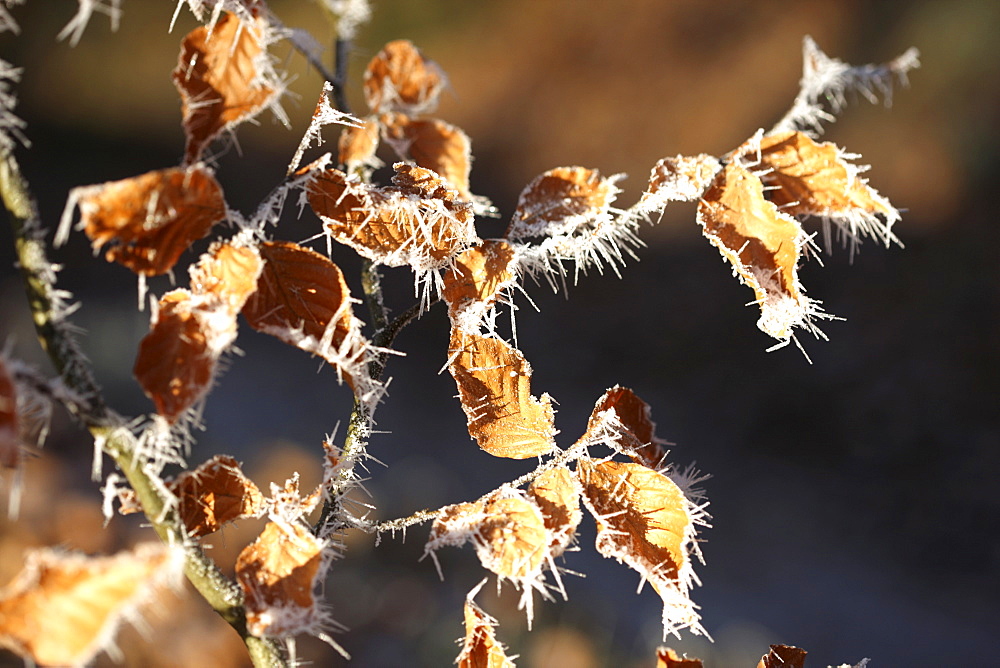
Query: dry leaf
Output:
(228,271)
(622,421)
(557,494)
(10,427)
(475,280)
(480,647)
(762,244)
(303,299)
(678,179)
(783,656)
(400,78)
(150,219)
(494,386)
(177,358)
(208,497)
(63,609)
(224,78)
(419,221)
(817,179)
(560,201)
(667,658)
(357,145)
(644,520)
(278,574)
(433,144)
(288,504)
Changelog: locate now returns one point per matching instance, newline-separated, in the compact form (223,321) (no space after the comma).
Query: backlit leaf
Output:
(63,609)
(475,280)
(562,200)
(149,219)
(480,647)
(622,420)
(224,78)
(228,271)
(668,658)
(494,386)
(783,656)
(556,492)
(357,145)
(400,78)
(644,520)
(433,144)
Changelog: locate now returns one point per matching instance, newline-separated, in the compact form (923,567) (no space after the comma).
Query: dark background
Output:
(853,500)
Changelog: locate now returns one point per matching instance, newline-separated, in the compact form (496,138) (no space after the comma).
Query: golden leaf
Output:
(400,78)
(622,420)
(177,358)
(679,179)
(303,300)
(783,656)
(761,243)
(643,519)
(433,144)
(420,220)
(557,494)
(667,658)
(475,280)
(152,218)
(278,574)
(62,609)
(222,75)
(480,647)
(494,386)
(357,146)
(560,200)
(229,272)
(10,427)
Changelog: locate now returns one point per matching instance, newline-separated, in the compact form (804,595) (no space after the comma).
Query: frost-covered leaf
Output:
(357,145)
(480,647)
(677,179)
(63,609)
(817,179)
(494,386)
(287,503)
(224,77)
(668,658)
(562,200)
(10,423)
(644,520)
(279,573)
(621,420)
(783,656)
(229,271)
(150,219)
(556,492)
(433,144)
(302,299)
(400,78)
(208,497)
(475,280)
(177,358)
(762,243)
(419,221)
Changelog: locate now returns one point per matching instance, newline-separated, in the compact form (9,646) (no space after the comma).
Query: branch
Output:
(49,309)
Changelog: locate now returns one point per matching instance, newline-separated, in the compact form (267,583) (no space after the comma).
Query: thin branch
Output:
(56,335)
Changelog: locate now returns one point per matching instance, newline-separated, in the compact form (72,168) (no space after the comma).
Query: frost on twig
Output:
(828,80)
(325,114)
(78,24)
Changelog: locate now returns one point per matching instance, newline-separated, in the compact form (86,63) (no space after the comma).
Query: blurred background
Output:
(853,500)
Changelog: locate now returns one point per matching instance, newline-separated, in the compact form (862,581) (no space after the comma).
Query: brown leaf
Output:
(817,179)
(419,221)
(433,144)
(475,280)
(278,574)
(357,146)
(223,77)
(560,200)
(783,656)
(400,78)
(643,520)
(557,494)
(480,647)
(208,497)
(761,243)
(177,358)
(303,300)
(622,420)
(63,609)
(152,218)
(229,272)
(678,179)
(10,427)
(494,386)
(667,658)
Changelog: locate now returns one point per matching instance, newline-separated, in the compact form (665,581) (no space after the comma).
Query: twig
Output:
(57,338)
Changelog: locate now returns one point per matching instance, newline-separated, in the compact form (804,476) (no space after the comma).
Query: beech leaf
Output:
(556,492)
(433,144)
(400,78)
(783,656)
(475,280)
(622,420)
(480,647)
(561,200)
(668,658)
